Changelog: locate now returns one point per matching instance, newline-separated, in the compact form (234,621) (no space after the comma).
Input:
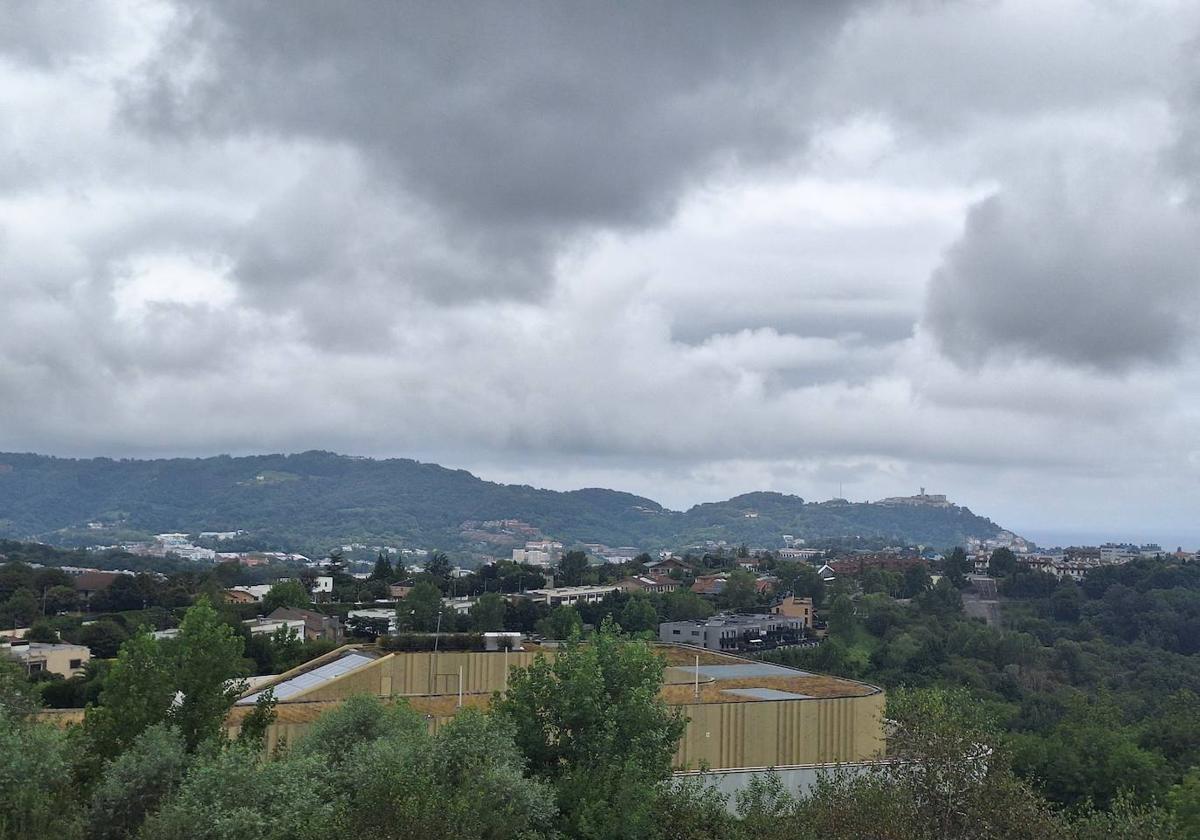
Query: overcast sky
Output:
(689,251)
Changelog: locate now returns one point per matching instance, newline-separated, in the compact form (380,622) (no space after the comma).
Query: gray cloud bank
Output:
(687,249)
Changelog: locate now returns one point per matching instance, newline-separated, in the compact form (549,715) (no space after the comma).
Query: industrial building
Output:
(740,713)
(732,633)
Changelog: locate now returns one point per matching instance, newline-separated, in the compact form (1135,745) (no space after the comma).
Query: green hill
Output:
(314,500)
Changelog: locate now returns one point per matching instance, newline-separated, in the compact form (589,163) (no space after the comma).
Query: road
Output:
(984,602)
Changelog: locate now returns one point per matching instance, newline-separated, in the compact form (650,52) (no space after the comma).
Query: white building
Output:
(377,614)
(571,595)
(260,626)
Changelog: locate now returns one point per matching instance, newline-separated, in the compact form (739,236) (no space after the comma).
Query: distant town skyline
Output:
(684,251)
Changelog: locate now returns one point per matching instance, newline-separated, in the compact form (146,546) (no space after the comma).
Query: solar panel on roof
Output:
(323,674)
(766,694)
(737,672)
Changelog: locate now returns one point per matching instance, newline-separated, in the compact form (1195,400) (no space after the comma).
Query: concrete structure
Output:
(539,553)
(800,553)
(570,595)
(36,657)
(741,714)
(734,632)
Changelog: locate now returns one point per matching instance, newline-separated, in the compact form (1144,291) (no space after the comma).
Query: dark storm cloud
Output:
(1101,271)
(516,125)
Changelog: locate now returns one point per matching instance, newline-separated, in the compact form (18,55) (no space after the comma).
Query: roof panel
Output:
(315,677)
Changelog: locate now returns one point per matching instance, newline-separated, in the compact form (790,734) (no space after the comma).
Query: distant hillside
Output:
(315,500)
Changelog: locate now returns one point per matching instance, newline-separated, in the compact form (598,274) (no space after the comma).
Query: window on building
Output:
(675,632)
(76,663)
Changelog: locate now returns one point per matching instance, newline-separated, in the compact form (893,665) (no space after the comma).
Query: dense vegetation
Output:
(579,748)
(315,500)
(1095,687)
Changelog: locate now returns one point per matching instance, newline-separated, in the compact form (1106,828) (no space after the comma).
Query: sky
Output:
(687,250)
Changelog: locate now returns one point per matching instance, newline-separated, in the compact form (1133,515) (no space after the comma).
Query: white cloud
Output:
(755,314)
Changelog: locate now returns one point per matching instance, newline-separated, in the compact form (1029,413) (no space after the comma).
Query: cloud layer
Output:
(688,252)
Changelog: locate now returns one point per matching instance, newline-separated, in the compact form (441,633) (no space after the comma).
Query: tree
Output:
(286,593)
(37,798)
(236,794)
(1066,602)
(393,780)
(739,592)
(207,651)
(563,622)
(639,615)
(1089,755)
(487,613)
(841,618)
(20,609)
(121,595)
(285,649)
(137,694)
(572,567)
(592,724)
(942,599)
(1184,799)
(686,605)
(136,783)
(419,609)
(1002,563)
(103,638)
(916,580)
(438,566)
(362,719)
(253,732)
(60,599)
(956,567)
(42,631)
(383,569)
(18,699)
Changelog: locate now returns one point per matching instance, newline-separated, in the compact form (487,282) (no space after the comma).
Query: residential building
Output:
(725,632)
(316,625)
(793,607)
(710,585)
(256,593)
(643,583)
(376,614)
(62,659)
(539,553)
(664,568)
(238,596)
(267,626)
(461,605)
(88,583)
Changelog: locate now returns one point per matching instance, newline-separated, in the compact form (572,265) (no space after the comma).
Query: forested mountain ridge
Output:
(314,500)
